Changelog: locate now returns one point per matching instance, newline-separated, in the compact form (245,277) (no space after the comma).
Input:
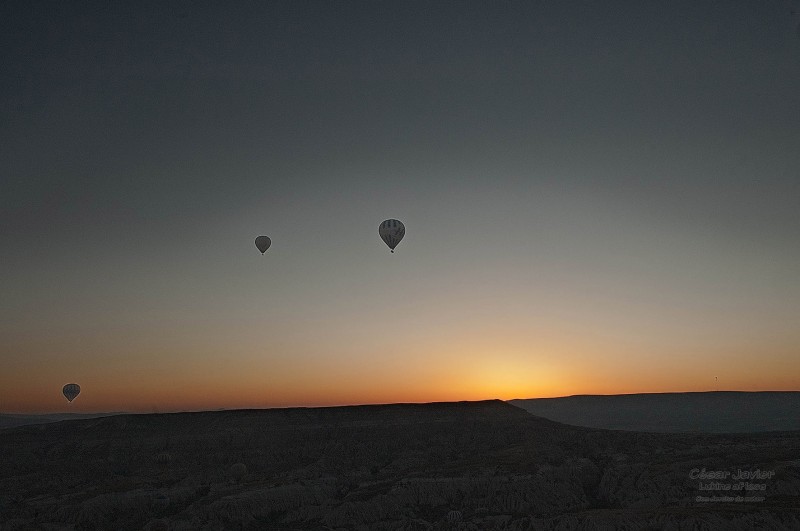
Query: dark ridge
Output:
(708,412)
(297,413)
(205,422)
(12,420)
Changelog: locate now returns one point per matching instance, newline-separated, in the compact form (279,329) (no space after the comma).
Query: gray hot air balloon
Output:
(263,243)
(71,390)
(391,232)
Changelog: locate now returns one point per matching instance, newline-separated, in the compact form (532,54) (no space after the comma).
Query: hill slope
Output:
(11,420)
(712,412)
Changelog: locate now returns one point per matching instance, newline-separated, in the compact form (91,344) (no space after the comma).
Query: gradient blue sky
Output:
(599,197)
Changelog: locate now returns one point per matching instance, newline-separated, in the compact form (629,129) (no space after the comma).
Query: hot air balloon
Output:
(71,390)
(263,243)
(391,232)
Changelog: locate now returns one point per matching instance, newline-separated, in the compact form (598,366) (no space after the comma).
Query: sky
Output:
(599,198)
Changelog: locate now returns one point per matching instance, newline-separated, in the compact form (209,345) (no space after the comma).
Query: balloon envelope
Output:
(391,232)
(263,243)
(71,390)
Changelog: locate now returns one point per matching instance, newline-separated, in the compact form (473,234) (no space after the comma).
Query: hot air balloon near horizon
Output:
(71,391)
(263,243)
(391,232)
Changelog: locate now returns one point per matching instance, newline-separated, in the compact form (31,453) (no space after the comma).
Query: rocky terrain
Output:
(467,466)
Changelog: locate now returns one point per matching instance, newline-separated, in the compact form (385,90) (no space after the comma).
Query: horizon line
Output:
(171,411)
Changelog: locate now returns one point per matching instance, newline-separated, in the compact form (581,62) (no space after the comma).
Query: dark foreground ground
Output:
(468,466)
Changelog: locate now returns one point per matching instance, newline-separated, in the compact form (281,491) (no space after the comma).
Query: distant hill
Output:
(710,412)
(438,467)
(11,420)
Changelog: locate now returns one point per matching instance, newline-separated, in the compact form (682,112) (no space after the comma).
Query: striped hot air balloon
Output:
(391,232)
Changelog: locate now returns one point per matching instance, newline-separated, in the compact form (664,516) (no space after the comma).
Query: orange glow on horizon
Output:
(141,378)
